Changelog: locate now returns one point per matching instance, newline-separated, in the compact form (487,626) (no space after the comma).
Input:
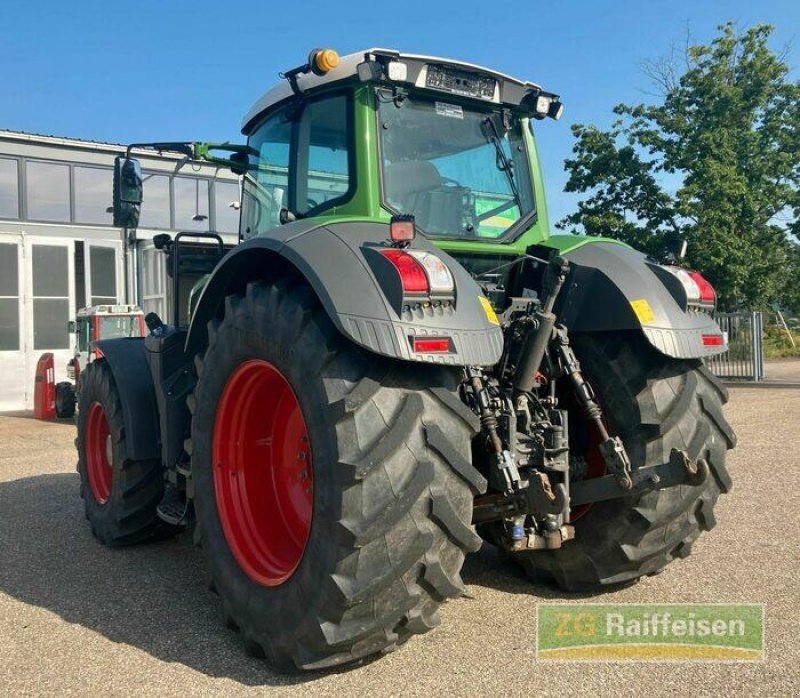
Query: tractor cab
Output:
(384,133)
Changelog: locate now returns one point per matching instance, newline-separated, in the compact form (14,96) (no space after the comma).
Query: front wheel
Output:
(654,404)
(333,488)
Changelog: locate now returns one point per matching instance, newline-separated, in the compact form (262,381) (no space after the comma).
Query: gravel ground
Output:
(785,370)
(78,619)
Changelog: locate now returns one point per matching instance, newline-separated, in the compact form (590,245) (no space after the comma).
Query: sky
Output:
(143,70)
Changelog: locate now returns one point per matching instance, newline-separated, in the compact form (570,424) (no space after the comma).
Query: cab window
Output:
(303,163)
(84,334)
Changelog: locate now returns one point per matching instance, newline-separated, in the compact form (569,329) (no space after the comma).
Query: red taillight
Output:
(431,345)
(707,292)
(713,340)
(412,274)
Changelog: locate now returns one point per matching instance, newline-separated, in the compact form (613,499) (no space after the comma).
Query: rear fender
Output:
(612,287)
(127,359)
(355,285)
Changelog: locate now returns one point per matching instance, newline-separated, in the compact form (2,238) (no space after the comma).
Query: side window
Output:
(84,334)
(266,185)
(303,163)
(323,143)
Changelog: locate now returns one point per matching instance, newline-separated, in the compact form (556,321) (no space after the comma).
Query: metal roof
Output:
(82,143)
(347,69)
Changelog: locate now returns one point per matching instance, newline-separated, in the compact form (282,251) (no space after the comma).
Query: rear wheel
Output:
(654,403)
(333,488)
(120,494)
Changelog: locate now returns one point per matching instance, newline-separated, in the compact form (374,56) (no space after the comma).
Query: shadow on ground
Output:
(153,596)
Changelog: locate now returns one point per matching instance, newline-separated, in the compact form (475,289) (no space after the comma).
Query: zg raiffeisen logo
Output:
(650,632)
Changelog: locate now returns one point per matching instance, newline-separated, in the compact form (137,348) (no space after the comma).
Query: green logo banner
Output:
(650,632)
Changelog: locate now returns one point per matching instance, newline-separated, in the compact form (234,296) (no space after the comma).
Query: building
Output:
(59,251)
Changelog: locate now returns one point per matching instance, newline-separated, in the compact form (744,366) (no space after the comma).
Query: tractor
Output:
(397,363)
(91,324)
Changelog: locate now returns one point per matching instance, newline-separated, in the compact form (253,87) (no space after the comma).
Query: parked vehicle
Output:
(91,324)
(398,352)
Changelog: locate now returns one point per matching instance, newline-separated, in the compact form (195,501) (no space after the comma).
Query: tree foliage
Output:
(716,162)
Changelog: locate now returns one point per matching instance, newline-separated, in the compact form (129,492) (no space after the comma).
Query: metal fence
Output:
(744,359)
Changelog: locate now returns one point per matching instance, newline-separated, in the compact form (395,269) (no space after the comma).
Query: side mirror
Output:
(71,327)
(162,241)
(239,163)
(128,191)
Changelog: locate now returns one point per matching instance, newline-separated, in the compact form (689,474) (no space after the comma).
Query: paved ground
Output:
(77,619)
(782,370)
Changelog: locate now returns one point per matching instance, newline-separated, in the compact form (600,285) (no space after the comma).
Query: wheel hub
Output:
(263,472)
(99,455)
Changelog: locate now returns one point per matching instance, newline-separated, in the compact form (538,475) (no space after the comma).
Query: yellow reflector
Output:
(326,59)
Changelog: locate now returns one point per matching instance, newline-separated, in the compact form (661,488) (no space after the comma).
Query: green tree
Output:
(716,162)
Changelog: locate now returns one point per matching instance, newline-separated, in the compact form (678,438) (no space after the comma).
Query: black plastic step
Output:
(173,509)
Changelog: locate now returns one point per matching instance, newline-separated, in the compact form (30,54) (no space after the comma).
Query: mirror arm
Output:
(185,148)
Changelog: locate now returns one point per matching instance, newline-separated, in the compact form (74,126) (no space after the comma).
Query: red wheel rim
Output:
(98,453)
(263,477)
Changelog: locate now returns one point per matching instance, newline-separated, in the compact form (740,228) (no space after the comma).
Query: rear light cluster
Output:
(421,273)
(698,291)
(424,278)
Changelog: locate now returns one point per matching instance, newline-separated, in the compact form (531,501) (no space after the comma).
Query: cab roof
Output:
(508,90)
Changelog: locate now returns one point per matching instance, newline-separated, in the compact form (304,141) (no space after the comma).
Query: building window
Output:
(155,204)
(9,188)
(93,195)
(226,207)
(191,203)
(47,187)
(9,297)
(103,274)
(50,265)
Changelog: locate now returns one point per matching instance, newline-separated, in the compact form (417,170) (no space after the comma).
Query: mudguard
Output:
(614,287)
(358,290)
(127,360)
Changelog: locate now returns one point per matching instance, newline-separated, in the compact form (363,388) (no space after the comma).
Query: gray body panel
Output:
(606,278)
(355,293)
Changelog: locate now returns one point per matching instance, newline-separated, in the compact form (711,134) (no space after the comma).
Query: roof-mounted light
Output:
(543,104)
(323,60)
(397,71)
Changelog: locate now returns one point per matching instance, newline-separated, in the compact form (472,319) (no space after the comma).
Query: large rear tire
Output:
(654,403)
(120,494)
(333,487)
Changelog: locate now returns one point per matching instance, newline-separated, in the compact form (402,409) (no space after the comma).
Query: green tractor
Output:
(399,361)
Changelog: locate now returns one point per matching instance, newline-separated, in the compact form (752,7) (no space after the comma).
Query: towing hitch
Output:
(679,470)
(540,498)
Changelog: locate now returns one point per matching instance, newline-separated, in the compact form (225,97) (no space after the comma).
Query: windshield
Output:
(461,170)
(119,326)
